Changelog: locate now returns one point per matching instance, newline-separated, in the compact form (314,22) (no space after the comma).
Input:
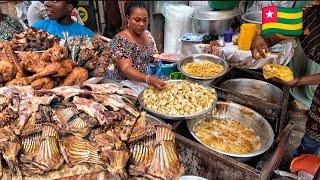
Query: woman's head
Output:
(137,16)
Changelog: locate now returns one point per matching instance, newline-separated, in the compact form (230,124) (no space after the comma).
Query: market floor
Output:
(298,118)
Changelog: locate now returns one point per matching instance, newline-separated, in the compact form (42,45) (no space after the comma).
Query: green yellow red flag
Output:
(280,20)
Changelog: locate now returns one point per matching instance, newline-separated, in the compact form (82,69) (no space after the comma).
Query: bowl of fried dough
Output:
(203,68)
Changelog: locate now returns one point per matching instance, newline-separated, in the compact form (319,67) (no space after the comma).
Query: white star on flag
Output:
(269,14)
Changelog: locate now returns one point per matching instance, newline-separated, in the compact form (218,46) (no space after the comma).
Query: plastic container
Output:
(247,31)
(223,5)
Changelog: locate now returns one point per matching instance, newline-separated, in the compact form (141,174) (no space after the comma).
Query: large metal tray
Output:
(176,117)
(254,88)
(230,110)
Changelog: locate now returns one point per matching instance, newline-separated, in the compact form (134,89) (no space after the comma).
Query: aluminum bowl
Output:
(206,20)
(176,117)
(245,115)
(255,88)
(198,58)
(253,17)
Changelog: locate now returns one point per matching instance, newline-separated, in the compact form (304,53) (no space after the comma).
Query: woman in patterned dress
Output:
(310,42)
(8,26)
(134,48)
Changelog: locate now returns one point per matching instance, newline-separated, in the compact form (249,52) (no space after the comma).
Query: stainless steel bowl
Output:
(254,88)
(176,117)
(253,17)
(153,119)
(206,20)
(198,58)
(245,115)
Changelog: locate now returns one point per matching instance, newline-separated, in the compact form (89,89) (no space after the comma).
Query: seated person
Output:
(8,26)
(134,48)
(59,13)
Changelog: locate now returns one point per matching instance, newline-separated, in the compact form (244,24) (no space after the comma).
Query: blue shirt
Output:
(54,28)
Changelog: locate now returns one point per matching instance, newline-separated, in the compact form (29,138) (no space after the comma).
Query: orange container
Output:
(247,31)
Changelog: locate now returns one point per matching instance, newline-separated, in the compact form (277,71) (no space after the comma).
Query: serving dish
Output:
(254,88)
(199,58)
(175,117)
(254,17)
(230,110)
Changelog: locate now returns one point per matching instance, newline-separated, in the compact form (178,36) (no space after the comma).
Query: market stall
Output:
(62,119)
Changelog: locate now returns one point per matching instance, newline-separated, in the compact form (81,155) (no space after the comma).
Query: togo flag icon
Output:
(280,20)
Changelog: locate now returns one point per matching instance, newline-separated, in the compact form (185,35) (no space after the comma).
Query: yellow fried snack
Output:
(203,69)
(274,70)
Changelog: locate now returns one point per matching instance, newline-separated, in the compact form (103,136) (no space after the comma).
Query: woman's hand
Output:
(156,82)
(259,47)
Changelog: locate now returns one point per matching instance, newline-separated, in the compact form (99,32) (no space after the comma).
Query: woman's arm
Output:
(313,79)
(126,68)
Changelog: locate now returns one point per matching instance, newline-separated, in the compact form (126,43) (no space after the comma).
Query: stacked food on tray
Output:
(33,40)
(45,132)
(42,71)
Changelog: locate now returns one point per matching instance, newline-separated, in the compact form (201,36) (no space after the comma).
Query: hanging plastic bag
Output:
(177,23)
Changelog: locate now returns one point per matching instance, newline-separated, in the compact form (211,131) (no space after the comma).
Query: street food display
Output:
(33,40)
(227,135)
(44,131)
(51,68)
(203,69)
(92,54)
(274,70)
(179,98)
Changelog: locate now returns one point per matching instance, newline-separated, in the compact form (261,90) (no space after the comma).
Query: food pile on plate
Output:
(203,69)
(227,135)
(46,133)
(179,98)
(33,40)
(274,70)
(92,54)
(41,71)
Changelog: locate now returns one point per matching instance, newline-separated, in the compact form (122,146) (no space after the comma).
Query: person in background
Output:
(134,48)
(59,13)
(37,11)
(310,42)
(8,26)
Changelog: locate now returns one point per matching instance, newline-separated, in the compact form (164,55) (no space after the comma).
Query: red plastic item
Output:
(307,162)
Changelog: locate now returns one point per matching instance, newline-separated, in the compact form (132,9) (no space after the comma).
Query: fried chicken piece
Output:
(56,69)
(12,57)
(22,81)
(54,54)
(32,62)
(7,71)
(76,77)
(43,83)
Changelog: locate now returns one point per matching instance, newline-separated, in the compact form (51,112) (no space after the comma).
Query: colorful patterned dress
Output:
(141,55)
(311,45)
(8,27)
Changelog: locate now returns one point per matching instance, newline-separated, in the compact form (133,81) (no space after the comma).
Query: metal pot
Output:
(253,17)
(206,20)
(245,115)
(202,57)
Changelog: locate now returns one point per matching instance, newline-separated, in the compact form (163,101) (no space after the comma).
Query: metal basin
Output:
(245,115)
(253,17)
(202,57)
(254,88)
(176,117)
(206,20)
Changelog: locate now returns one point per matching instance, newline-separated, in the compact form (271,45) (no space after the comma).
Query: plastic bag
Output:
(274,70)
(177,23)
